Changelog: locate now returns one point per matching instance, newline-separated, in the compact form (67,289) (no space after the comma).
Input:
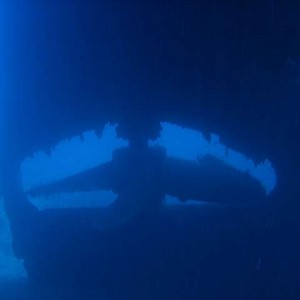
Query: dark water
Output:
(223,69)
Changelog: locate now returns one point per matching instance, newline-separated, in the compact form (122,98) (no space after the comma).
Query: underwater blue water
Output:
(90,150)
(80,153)
(229,66)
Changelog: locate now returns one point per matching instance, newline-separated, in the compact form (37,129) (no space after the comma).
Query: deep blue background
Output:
(230,68)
